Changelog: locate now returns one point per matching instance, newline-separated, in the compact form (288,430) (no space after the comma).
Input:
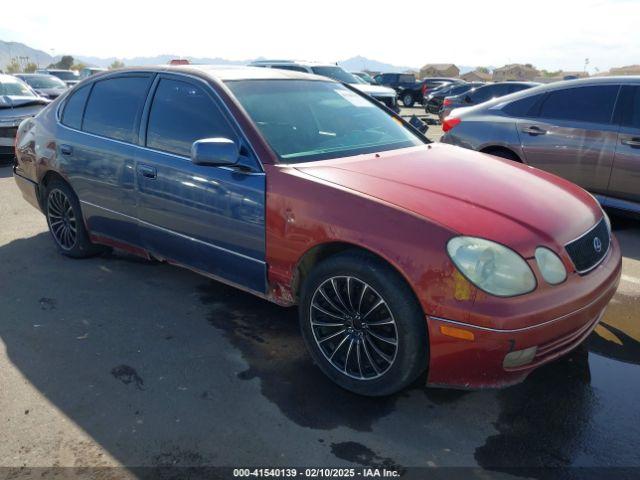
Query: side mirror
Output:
(418,124)
(214,152)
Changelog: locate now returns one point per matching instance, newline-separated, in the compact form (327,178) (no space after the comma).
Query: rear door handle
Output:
(66,149)
(632,142)
(147,171)
(533,130)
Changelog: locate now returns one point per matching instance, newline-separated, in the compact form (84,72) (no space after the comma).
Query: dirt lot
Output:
(118,361)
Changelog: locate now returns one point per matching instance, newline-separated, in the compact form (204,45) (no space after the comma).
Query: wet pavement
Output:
(118,361)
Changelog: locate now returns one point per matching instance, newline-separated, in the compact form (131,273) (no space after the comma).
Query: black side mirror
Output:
(418,124)
(214,152)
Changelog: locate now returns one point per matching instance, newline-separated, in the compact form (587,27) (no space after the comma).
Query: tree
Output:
(78,66)
(30,67)
(64,63)
(13,66)
(482,70)
(116,64)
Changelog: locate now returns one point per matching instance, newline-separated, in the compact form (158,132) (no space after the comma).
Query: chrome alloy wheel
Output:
(62,219)
(353,327)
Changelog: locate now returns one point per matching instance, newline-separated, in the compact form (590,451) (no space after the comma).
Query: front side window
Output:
(182,113)
(307,120)
(582,104)
(115,106)
(74,107)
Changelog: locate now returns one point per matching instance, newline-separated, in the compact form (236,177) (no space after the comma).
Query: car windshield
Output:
(15,88)
(44,81)
(65,75)
(336,73)
(305,120)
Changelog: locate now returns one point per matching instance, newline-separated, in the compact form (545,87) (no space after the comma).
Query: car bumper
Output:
(28,188)
(479,360)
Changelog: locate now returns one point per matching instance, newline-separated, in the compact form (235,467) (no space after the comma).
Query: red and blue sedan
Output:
(403,256)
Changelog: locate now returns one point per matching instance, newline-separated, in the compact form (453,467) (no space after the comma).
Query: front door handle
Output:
(66,149)
(147,171)
(632,142)
(534,130)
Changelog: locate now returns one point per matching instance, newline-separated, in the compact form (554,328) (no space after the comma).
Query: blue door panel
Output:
(209,218)
(102,173)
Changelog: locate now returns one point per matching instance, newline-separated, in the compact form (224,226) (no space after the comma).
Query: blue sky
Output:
(550,34)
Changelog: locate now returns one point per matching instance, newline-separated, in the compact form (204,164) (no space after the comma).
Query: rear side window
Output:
(182,113)
(517,87)
(115,106)
(73,109)
(406,79)
(581,104)
(523,107)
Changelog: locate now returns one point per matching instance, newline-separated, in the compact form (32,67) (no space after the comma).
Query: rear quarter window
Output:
(525,107)
(74,108)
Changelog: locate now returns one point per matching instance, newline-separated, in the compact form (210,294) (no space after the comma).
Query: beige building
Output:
(515,71)
(476,76)
(439,70)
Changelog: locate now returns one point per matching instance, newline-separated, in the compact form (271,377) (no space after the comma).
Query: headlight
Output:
(550,265)
(491,267)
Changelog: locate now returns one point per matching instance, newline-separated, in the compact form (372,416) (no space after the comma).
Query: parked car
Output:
(403,255)
(433,101)
(88,71)
(482,94)
(412,91)
(46,86)
(386,96)
(366,77)
(17,102)
(70,77)
(587,131)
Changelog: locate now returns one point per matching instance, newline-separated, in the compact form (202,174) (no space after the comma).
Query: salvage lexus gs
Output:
(404,256)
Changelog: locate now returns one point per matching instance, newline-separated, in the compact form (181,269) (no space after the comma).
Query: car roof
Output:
(225,73)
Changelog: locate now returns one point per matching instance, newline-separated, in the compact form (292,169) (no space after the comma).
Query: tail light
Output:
(447,102)
(449,123)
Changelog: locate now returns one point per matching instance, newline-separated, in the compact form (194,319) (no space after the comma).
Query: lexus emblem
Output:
(597,245)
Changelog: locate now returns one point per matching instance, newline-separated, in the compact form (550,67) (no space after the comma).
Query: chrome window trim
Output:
(223,105)
(186,237)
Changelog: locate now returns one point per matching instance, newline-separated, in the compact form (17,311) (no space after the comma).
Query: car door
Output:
(97,148)
(572,134)
(625,175)
(211,219)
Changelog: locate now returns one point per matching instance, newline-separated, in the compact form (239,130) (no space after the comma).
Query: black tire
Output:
(62,210)
(407,99)
(503,153)
(368,372)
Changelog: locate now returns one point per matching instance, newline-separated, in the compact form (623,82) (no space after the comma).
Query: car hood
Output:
(374,90)
(469,193)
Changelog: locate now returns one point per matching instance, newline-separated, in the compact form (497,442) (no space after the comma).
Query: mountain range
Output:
(24,53)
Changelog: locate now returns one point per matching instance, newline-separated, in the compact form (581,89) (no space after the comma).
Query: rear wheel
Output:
(66,225)
(503,153)
(407,100)
(362,324)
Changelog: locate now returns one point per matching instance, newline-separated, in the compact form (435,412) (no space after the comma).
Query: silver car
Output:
(587,131)
(17,102)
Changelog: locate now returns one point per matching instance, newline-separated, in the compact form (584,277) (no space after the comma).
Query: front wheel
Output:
(407,100)
(362,325)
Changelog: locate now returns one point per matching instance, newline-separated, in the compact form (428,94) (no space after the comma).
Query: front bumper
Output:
(478,363)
